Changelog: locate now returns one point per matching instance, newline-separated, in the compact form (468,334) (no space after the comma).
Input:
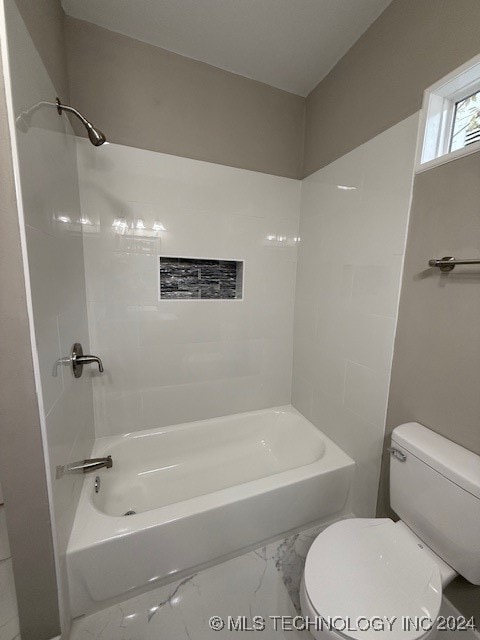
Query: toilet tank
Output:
(435,491)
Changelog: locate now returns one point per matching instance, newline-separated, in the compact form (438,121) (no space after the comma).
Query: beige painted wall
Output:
(164,102)
(435,375)
(381,79)
(143,96)
(44,21)
(22,465)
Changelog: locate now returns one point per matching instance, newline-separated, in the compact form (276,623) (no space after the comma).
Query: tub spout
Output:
(84,466)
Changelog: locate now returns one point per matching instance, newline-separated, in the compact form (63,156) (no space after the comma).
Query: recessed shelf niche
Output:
(200,279)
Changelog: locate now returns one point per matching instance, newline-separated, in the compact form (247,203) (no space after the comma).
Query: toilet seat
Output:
(367,568)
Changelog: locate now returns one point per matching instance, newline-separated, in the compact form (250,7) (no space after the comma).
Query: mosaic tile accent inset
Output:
(199,279)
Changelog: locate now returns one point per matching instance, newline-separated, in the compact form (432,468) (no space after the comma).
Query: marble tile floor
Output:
(264,582)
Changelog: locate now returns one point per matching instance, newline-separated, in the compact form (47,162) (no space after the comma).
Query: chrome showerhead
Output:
(96,137)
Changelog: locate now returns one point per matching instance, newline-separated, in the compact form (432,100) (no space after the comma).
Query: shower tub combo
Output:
(196,493)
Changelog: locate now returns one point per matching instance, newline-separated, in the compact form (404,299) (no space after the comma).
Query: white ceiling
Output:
(289,44)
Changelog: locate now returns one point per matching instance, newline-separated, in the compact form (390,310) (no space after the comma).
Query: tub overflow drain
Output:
(130,513)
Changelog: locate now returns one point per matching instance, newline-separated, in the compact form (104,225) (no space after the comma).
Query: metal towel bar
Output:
(448,263)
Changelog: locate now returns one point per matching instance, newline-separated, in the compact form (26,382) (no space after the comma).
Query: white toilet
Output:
(359,569)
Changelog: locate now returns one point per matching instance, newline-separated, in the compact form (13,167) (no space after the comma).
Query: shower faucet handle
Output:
(78,360)
(88,360)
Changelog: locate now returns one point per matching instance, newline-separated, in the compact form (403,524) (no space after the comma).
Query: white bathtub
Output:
(201,491)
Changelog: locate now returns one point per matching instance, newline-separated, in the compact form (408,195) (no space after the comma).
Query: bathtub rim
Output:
(104,442)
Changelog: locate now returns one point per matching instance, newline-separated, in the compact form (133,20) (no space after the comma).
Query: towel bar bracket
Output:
(448,263)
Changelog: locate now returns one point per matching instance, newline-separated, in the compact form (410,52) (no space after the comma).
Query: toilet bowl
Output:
(378,579)
(366,578)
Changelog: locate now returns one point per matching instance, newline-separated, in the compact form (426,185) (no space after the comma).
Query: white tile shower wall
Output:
(49,186)
(174,361)
(354,217)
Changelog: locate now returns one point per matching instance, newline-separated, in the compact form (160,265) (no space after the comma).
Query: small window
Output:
(450,125)
(466,122)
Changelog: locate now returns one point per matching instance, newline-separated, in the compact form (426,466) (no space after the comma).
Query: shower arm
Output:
(64,107)
(96,137)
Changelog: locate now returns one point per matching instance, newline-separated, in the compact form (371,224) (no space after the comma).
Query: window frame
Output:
(438,112)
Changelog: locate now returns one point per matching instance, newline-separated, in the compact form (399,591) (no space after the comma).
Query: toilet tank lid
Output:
(456,463)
